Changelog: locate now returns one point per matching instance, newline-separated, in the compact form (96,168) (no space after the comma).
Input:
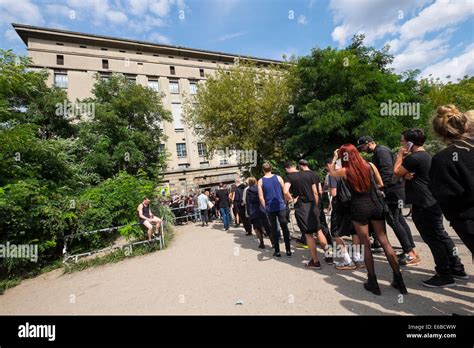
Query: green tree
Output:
(338,96)
(124,132)
(460,94)
(25,97)
(242,108)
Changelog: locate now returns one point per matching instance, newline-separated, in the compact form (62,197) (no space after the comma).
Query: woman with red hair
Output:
(364,182)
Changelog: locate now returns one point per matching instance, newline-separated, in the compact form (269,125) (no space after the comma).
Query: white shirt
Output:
(203,201)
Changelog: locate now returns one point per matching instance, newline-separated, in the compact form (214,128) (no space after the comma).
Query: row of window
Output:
(182,152)
(202,152)
(141,53)
(105,65)
(61,80)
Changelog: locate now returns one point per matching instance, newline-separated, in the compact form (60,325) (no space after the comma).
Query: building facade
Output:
(74,59)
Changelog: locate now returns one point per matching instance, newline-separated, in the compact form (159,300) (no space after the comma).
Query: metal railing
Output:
(66,256)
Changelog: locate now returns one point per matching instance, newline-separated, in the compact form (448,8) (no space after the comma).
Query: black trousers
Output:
(465,231)
(204,217)
(244,219)
(429,222)
(401,228)
(281,216)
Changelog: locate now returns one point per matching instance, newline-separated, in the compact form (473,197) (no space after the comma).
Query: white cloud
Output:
(146,24)
(419,53)
(116,17)
(375,19)
(22,11)
(160,7)
(440,15)
(11,36)
(159,38)
(138,7)
(456,67)
(231,36)
(302,20)
(54,10)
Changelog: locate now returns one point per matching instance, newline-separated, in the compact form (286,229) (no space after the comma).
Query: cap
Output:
(364,140)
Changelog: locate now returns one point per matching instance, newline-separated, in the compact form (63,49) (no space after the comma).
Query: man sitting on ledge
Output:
(147,218)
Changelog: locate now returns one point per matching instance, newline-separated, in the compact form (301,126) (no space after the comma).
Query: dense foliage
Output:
(59,176)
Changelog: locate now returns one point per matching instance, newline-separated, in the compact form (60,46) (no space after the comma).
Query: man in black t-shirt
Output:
(304,167)
(394,196)
(426,211)
(300,188)
(222,196)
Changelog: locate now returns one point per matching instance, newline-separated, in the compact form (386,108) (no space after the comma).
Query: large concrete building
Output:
(74,59)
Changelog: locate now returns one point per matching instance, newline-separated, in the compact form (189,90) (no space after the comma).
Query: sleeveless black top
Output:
(145,212)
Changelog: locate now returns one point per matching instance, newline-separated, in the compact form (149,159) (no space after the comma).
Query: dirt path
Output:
(207,270)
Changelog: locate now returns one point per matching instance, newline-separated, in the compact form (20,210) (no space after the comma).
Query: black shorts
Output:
(341,220)
(365,211)
(307,217)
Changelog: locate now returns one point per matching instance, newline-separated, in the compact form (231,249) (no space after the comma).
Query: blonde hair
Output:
(451,124)
(252,181)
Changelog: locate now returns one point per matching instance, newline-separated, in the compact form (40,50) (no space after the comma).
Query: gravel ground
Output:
(209,271)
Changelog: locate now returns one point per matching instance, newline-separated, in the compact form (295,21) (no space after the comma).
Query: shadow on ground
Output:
(350,283)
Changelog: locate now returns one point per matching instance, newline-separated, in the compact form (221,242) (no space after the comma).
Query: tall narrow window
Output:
(181,150)
(202,149)
(161,149)
(172,70)
(153,84)
(105,63)
(201,72)
(174,87)
(60,79)
(192,87)
(60,59)
(176,112)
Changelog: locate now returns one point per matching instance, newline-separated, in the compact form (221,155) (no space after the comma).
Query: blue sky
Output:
(435,36)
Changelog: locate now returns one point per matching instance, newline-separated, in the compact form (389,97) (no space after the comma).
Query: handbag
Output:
(387,213)
(343,192)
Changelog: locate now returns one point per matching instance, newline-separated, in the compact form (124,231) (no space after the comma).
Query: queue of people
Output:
(364,197)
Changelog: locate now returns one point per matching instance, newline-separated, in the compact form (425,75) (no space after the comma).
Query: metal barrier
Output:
(66,257)
(196,213)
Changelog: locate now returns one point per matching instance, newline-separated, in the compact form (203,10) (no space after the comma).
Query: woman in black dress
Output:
(364,182)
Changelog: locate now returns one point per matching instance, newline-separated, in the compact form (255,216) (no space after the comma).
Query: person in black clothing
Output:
(222,197)
(257,216)
(304,195)
(364,180)
(304,166)
(394,196)
(341,225)
(452,171)
(426,212)
(240,209)
(146,217)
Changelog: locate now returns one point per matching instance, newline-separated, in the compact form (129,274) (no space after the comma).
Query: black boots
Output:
(372,285)
(398,283)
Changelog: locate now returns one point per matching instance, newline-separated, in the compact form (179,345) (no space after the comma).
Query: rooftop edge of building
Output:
(26,31)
